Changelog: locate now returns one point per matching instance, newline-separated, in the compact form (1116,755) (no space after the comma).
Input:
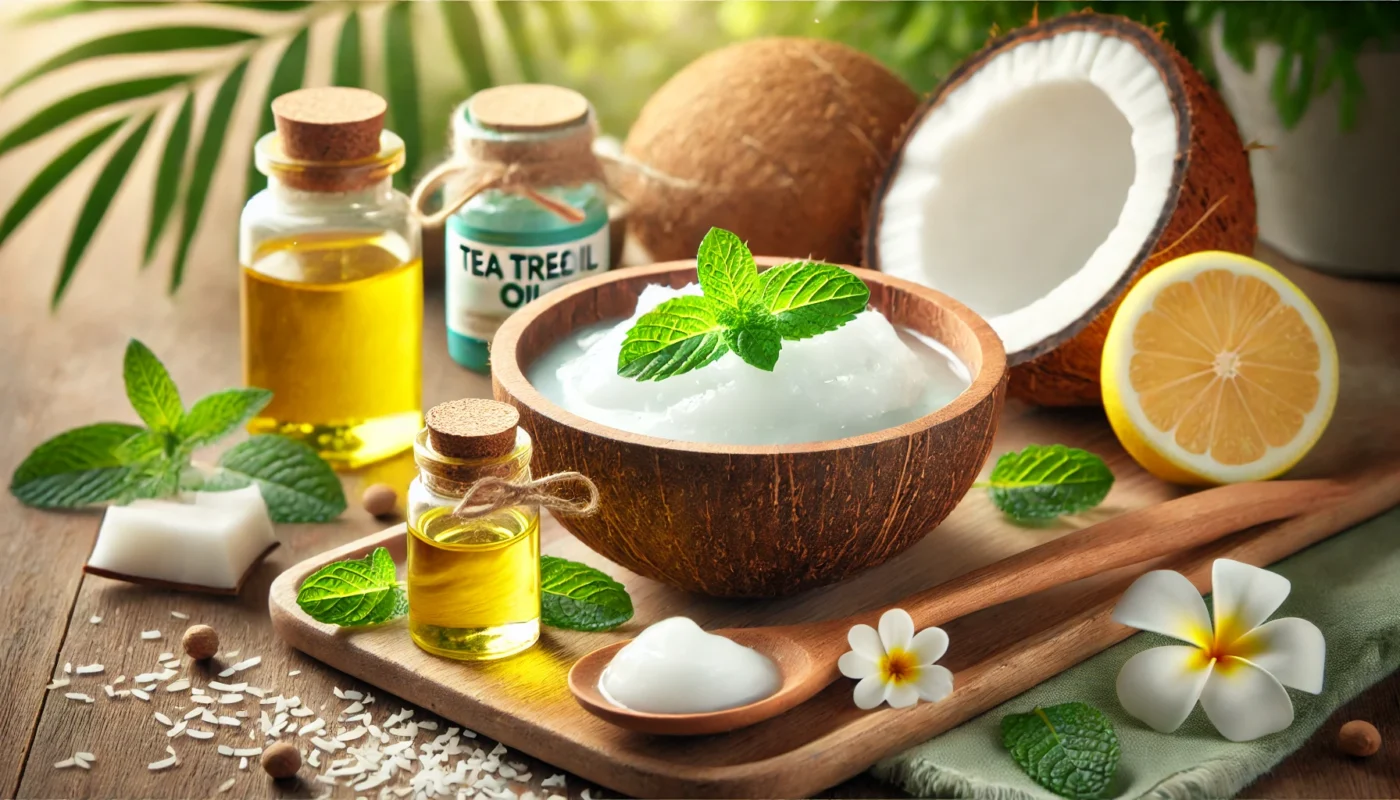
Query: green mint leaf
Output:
(145,445)
(1044,482)
(75,468)
(295,483)
(807,297)
(577,597)
(157,476)
(150,389)
(356,592)
(215,416)
(680,335)
(751,332)
(758,345)
(726,269)
(1070,749)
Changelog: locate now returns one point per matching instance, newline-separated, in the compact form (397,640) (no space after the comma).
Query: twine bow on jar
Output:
(492,493)
(520,166)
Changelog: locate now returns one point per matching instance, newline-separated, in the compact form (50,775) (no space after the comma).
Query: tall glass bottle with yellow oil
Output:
(332,287)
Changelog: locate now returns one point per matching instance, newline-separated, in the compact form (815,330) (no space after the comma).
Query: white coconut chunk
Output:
(1028,190)
(203,539)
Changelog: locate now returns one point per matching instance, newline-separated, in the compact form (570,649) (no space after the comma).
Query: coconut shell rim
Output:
(508,376)
(1158,53)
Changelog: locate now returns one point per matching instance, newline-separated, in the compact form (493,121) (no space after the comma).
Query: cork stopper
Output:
(527,107)
(472,428)
(330,124)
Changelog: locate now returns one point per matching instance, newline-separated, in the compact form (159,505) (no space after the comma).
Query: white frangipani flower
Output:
(894,664)
(1237,668)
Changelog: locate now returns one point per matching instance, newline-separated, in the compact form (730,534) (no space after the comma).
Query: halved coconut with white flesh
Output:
(1050,171)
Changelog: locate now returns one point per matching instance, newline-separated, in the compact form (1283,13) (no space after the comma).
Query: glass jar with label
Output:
(525,208)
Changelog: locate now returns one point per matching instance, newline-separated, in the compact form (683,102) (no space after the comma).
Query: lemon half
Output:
(1217,369)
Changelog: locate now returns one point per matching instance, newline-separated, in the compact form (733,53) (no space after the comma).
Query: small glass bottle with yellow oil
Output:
(473,581)
(332,287)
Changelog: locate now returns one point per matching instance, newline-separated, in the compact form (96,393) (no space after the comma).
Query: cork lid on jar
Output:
(527,107)
(330,123)
(473,428)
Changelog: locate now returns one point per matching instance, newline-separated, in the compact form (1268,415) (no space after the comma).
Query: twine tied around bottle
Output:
(520,166)
(492,493)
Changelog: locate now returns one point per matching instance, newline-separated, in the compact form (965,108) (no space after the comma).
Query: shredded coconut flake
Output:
(179,615)
(79,696)
(148,635)
(89,669)
(226,785)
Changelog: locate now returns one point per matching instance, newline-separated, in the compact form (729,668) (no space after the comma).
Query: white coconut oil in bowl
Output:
(864,376)
(839,459)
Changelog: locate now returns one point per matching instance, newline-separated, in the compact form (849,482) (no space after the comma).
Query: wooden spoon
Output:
(806,654)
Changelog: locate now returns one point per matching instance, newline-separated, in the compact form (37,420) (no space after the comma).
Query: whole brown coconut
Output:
(1210,205)
(778,140)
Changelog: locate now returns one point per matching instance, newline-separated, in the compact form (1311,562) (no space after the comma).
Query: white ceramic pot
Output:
(1327,198)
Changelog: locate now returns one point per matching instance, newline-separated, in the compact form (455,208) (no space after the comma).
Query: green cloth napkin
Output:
(1349,586)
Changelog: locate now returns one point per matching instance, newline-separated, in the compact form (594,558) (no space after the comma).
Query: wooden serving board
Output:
(996,654)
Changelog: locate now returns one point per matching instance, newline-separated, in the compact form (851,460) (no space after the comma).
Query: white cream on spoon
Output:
(675,667)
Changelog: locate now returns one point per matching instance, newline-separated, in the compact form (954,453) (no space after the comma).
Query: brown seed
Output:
(281,760)
(200,642)
(1359,738)
(380,500)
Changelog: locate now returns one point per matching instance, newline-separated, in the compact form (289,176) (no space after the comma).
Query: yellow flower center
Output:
(899,666)
(1224,646)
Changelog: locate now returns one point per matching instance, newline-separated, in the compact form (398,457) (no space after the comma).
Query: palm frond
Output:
(348,69)
(289,75)
(109,182)
(52,175)
(465,31)
(151,40)
(167,186)
(85,102)
(401,86)
(206,159)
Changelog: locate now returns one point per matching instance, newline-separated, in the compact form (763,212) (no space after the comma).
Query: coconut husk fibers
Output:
(1210,206)
(779,140)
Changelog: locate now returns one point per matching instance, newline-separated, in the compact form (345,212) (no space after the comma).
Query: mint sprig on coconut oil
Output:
(119,462)
(171,522)
(740,310)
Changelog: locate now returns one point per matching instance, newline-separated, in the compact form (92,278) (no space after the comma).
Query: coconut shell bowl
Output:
(756,520)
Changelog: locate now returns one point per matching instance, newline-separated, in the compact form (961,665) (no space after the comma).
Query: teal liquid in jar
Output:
(504,247)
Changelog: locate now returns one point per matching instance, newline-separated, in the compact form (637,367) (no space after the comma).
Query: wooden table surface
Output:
(63,368)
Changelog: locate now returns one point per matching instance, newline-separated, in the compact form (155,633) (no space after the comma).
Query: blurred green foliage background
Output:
(426,57)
